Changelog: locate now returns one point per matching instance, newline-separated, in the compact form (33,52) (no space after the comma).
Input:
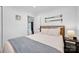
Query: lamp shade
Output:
(71,33)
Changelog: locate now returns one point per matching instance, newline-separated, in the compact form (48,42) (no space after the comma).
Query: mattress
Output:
(52,41)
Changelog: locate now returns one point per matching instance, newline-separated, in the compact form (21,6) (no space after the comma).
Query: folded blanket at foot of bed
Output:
(27,45)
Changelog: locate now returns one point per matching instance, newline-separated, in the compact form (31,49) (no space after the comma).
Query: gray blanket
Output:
(27,45)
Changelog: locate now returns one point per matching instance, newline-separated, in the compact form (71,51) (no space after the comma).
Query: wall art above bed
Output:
(54,18)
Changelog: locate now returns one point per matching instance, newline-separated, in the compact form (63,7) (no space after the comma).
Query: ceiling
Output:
(36,9)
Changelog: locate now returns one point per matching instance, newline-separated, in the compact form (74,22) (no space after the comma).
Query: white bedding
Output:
(53,41)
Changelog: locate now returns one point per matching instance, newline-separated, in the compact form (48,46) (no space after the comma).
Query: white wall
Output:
(37,24)
(77,22)
(69,17)
(11,27)
(0,27)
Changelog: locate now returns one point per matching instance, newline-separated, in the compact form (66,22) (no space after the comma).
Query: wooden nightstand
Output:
(70,45)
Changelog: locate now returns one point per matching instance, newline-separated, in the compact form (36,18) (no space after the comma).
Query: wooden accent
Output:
(62,29)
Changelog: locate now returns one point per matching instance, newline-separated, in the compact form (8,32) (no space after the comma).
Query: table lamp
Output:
(71,34)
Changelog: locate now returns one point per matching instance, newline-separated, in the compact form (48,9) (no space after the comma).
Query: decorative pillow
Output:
(52,31)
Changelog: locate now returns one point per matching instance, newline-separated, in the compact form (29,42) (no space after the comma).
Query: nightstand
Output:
(70,45)
(77,46)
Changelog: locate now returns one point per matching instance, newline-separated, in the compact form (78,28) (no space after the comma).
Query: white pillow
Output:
(52,31)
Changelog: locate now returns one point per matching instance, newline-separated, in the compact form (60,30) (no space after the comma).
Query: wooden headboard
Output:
(62,29)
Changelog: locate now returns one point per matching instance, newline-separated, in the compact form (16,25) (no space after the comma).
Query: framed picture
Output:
(53,18)
(18,17)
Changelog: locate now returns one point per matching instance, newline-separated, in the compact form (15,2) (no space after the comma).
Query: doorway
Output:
(30,25)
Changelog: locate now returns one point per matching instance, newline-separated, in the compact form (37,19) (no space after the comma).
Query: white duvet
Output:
(53,41)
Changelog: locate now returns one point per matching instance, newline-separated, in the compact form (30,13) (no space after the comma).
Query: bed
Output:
(37,43)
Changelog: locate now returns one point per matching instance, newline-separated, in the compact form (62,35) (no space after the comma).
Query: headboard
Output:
(62,29)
